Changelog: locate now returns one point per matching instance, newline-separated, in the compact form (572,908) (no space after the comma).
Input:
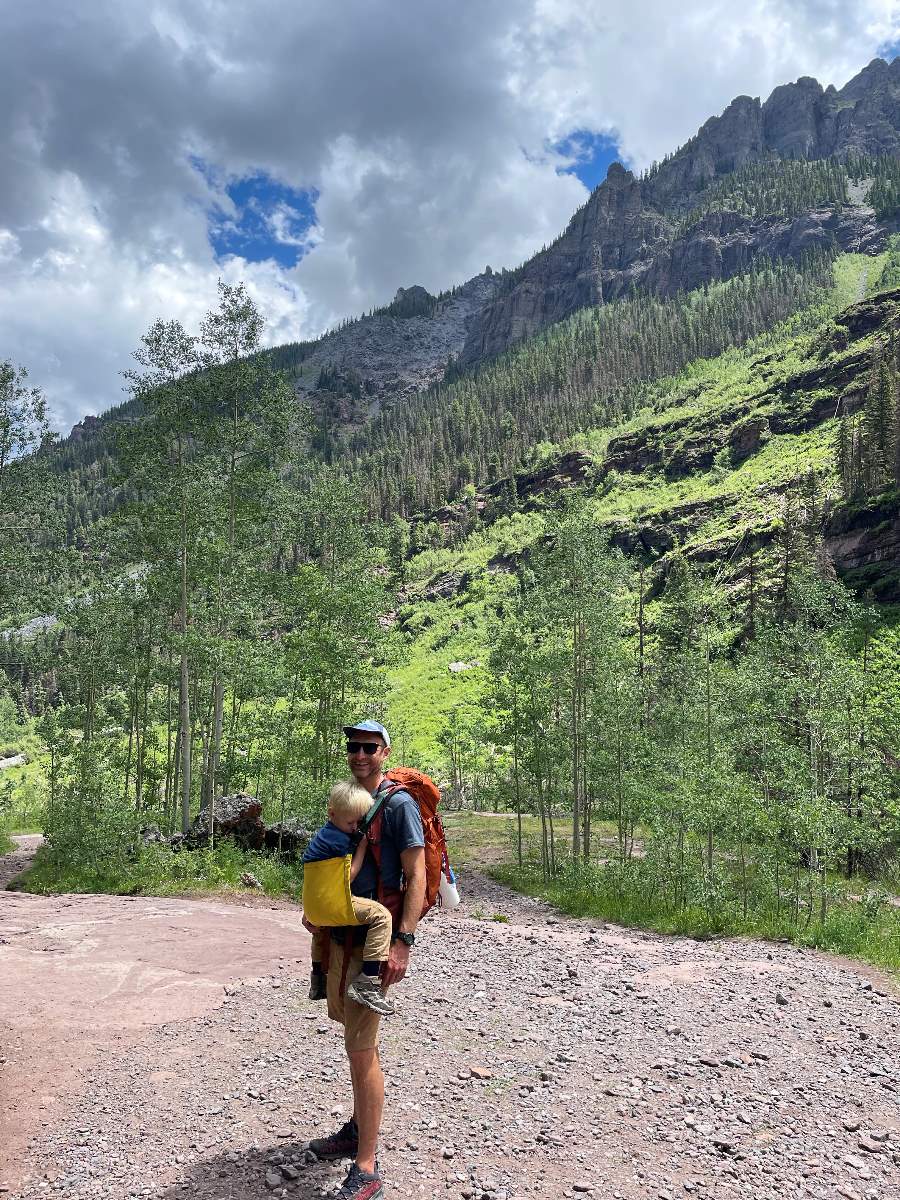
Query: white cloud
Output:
(423,125)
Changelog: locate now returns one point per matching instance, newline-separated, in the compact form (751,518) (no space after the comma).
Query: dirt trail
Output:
(13,864)
(166,1048)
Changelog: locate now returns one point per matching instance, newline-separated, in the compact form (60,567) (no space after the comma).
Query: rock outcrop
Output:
(289,838)
(237,817)
(393,356)
(864,545)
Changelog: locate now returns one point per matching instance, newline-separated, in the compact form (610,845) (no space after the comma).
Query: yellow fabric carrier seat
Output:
(326,892)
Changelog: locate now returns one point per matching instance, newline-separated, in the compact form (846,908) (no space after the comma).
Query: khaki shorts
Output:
(377,945)
(360,1023)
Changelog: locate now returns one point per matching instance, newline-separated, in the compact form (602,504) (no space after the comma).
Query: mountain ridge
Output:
(622,235)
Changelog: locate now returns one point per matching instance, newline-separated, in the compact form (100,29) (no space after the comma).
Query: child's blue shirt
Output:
(329,842)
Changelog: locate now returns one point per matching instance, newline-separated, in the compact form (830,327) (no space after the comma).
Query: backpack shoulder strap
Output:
(375,812)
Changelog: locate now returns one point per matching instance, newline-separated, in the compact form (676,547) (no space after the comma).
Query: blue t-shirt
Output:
(329,842)
(401,829)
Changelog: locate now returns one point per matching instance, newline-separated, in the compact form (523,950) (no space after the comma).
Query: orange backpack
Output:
(427,796)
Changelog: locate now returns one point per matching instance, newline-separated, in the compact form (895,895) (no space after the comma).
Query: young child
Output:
(325,896)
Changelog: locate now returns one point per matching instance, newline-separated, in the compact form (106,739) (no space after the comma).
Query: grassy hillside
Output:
(704,465)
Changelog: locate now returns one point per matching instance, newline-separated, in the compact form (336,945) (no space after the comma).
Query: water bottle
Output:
(448,891)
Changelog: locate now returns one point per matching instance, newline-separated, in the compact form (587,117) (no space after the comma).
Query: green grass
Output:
(21,788)
(424,692)
(476,839)
(158,871)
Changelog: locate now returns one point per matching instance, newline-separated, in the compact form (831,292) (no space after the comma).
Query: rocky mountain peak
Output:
(617,174)
(877,73)
(85,428)
(413,295)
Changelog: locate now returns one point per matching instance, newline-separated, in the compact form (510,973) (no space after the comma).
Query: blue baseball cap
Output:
(369,727)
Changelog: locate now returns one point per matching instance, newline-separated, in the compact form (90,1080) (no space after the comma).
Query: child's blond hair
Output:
(348,799)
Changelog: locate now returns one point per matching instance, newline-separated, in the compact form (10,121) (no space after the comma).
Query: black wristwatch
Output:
(408,939)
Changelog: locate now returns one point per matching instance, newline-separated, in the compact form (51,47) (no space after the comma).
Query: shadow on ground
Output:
(249,1175)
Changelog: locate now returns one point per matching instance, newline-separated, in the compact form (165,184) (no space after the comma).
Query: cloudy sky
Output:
(329,151)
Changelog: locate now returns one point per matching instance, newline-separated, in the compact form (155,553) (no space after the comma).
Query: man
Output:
(402,866)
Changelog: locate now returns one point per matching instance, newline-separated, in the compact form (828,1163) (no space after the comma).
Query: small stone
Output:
(870,1146)
(480,1073)
(851,1124)
(780,998)
(273,1179)
(448,1152)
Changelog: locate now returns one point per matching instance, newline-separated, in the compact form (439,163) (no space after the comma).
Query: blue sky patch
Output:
(269,220)
(592,152)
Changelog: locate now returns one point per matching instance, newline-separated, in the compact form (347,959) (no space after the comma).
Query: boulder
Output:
(292,837)
(152,835)
(747,437)
(236,817)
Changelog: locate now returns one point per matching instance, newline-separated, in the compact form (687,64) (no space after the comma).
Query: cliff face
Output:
(864,545)
(627,233)
(390,356)
(799,120)
(601,258)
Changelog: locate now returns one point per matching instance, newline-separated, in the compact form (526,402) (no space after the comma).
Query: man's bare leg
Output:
(368,1102)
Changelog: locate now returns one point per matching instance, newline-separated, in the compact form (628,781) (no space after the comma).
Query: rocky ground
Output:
(531,1056)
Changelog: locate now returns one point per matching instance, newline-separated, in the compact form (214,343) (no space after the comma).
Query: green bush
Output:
(157,870)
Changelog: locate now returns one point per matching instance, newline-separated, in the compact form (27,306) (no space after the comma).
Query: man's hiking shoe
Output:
(317,988)
(343,1144)
(365,989)
(360,1185)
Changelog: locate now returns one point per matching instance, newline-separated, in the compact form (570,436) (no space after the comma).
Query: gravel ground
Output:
(533,1056)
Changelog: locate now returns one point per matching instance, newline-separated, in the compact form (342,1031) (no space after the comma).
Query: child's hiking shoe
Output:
(343,1144)
(360,1185)
(318,989)
(365,989)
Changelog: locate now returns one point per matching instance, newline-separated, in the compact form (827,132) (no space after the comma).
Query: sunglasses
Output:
(366,747)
